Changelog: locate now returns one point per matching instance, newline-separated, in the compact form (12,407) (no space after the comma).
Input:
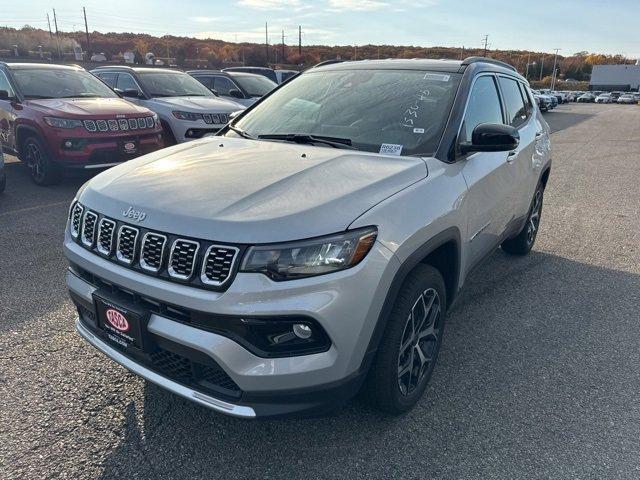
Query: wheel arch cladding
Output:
(25,131)
(544,178)
(441,252)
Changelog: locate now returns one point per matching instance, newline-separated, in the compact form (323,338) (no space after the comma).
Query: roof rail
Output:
(469,60)
(112,66)
(327,62)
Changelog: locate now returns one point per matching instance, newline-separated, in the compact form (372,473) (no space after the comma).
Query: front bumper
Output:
(185,130)
(346,304)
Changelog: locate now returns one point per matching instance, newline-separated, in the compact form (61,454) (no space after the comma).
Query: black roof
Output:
(444,65)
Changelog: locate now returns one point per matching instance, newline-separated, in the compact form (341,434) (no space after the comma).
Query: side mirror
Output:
(235,93)
(492,137)
(4,95)
(233,115)
(131,93)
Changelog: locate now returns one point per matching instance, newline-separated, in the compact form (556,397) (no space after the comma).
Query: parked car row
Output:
(57,117)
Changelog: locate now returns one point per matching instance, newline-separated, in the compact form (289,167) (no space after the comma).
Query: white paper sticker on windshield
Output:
(437,76)
(418,130)
(390,149)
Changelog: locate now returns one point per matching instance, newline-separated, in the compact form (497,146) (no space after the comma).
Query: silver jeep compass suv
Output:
(314,246)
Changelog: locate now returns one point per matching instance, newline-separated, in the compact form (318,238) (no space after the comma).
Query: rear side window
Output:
(5,85)
(527,98)
(483,107)
(109,78)
(516,110)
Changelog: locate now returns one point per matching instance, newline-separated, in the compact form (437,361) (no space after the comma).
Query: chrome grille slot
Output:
(89,228)
(182,258)
(124,125)
(76,218)
(152,251)
(106,229)
(218,264)
(133,124)
(113,125)
(126,248)
(142,123)
(150,122)
(90,125)
(102,125)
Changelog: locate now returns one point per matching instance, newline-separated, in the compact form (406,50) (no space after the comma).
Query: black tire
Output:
(390,390)
(42,169)
(168,138)
(522,243)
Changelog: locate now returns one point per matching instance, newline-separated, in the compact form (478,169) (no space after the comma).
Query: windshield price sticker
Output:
(390,149)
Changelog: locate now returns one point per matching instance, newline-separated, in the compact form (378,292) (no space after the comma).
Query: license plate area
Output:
(122,324)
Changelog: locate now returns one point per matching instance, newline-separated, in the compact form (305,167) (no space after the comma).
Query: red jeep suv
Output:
(54,117)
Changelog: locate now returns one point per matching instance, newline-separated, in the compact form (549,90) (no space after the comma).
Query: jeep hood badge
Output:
(137,215)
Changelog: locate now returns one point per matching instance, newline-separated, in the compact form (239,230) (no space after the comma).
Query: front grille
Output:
(89,228)
(192,373)
(126,249)
(216,118)
(182,258)
(76,218)
(218,264)
(119,124)
(199,263)
(105,236)
(152,251)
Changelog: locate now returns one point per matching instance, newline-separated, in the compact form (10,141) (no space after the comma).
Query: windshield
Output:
(50,83)
(255,85)
(399,111)
(173,84)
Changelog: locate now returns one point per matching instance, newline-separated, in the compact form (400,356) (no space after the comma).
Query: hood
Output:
(199,104)
(89,107)
(247,191)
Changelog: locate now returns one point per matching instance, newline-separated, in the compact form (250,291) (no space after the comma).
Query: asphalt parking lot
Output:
(539,374)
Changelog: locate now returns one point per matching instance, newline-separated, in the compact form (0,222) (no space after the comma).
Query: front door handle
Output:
(538,135)
(511,156)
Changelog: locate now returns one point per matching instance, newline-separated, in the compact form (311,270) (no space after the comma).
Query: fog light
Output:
(302,331)
(68,144)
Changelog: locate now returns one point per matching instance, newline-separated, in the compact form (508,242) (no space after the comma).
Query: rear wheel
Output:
(42,169)
(522,243)
(409,348)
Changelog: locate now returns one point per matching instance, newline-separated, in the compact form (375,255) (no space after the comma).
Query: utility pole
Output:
(283,59)
(541,67)
(553,75)
(526,75)
(266,42)
(299,39)
(86,29)
(462,53)
(355,52)
(486,44)
(166,42)
(49,23)
(55,23)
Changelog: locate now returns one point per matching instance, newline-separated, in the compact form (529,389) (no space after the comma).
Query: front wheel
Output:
(409,348)
(42,169)
(522,243)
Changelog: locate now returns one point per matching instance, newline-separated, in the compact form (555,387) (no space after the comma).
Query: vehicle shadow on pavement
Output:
(520,363)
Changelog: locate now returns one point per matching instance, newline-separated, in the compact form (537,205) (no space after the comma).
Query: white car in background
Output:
(627,99)
(187,109)
(604,98)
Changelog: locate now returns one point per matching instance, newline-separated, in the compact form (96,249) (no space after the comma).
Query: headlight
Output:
(62,122)
(308,258)
(187,116)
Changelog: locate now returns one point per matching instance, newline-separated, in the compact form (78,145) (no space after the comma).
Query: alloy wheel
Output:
(420,341)
(35,160)
(534,217)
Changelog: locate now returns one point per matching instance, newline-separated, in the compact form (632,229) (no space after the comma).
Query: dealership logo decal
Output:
(117,320)
(137,215)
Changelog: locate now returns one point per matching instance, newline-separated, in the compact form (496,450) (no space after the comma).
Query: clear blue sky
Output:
(597,26)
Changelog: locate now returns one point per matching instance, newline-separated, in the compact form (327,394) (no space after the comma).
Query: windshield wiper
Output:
(335,142)
(38,97)
(241,132)
(82,95)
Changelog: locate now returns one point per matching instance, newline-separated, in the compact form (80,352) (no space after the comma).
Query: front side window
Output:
(108,77)
(255,85)
(52,83)
(483,107)
(516,110)
(172,84)
(223,86)
(402,112)
(126,82)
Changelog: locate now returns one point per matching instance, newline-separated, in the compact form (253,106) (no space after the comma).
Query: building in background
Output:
(615,77)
